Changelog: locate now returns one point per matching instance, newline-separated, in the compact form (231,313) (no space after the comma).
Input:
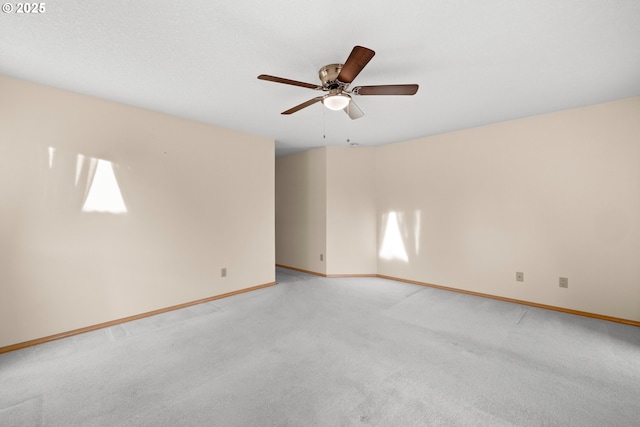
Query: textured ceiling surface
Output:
(477,62)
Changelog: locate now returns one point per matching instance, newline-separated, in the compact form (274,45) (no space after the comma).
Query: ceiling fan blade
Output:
(288,81)
(353,111)
(303,105)
(386,90)
(359,57)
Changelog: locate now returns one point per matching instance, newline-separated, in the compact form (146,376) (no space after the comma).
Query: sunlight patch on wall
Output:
(52,152)
(392,243)
(104,193)
(79,164)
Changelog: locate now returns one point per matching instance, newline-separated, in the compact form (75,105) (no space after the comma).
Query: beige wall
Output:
(198,199)
(301,210)
(550,196)
(351,211)
(553,195)
(325,204)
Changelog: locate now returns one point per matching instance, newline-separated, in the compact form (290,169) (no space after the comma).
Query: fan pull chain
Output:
(351,144)
(324,124)
(348,131)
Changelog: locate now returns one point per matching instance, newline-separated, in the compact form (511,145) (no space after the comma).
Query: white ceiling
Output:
(477,62)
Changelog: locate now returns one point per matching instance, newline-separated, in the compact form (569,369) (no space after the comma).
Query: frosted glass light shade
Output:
(336,102)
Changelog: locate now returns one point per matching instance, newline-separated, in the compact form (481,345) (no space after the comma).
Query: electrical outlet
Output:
(519,276)
(223,272)
(321,257)
(564,282)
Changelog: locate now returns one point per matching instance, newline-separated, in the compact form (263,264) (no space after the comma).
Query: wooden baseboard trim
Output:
(330,276)
(126,319)
(516,301)
(301,270)
(478,294)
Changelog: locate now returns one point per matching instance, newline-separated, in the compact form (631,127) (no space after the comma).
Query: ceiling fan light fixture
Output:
(336,102)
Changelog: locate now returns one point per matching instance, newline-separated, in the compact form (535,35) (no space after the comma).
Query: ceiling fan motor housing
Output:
(329,77)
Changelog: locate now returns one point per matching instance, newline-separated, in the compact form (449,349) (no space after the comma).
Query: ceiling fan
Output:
(336,79)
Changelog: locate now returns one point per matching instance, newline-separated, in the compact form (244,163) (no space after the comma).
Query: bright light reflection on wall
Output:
(104,194)
(52,152)
(79,164)
(392,243)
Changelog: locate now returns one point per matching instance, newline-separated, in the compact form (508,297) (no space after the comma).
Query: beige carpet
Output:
(312,351)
